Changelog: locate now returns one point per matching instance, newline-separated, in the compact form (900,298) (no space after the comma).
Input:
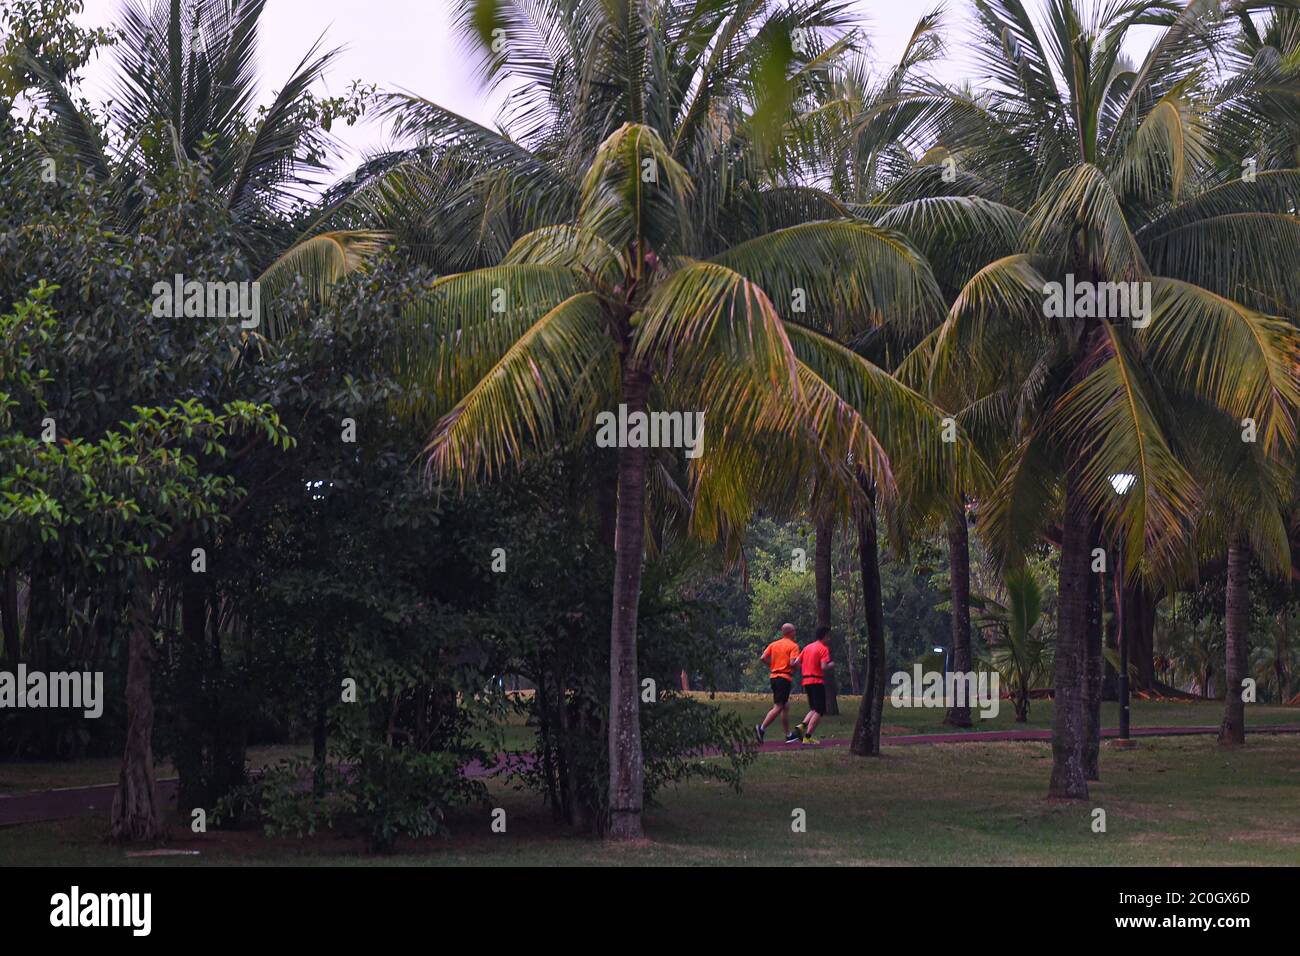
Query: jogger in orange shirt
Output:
(781,656)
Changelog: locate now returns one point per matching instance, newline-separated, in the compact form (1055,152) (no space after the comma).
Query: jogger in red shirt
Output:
(814,661)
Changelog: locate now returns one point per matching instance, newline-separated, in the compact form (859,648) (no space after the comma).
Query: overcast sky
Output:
(409,45)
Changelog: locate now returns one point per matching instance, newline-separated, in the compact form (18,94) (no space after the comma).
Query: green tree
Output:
(653,277)
(1112,166)
(117,507)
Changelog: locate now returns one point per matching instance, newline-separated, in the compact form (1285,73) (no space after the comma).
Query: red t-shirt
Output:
(814,657)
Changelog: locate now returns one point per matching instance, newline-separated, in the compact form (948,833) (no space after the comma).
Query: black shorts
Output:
(780,690)
(816,697)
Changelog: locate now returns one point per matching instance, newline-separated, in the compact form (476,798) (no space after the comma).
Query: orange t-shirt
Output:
(814,656)
(779,655)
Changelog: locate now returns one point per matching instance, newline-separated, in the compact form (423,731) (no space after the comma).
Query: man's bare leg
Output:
(772,715)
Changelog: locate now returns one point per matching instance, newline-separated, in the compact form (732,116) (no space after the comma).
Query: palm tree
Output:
(666,258)
(1112,166)
(1277,660)
(1195,649)
(1019,651)
(187,91)
(1256,122)
(1246,495)
(867,141)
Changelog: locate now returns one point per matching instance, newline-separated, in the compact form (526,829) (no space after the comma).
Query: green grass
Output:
(923,720)
(514,735)
(1180,801)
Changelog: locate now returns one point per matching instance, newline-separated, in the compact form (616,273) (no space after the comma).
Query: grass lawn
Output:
(1172,801)
(47,775)
(922,720)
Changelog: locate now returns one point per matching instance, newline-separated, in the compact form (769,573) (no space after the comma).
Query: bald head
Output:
(787,629)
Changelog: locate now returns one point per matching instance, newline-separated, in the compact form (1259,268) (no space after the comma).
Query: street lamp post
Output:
(1122,640)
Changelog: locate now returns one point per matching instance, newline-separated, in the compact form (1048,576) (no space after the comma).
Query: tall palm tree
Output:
(1112,167)
(666,259)
(1256,122)
(867,142)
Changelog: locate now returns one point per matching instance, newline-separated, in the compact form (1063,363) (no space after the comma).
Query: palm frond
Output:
(518,403)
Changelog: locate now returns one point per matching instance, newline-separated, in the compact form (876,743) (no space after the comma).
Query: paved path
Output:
(42,805)
(994,736)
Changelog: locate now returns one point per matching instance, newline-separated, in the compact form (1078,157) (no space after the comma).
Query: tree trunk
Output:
(320,742)
(1110,641)
(1095,677)
(550,751)
(866,733)
(822,572)
(606,496)
(959,566)
(1069,719)
(192,757)
(851,655)
(39,616)
(1139,628)
(9,614)
(575,810)
(626,773)
(136,815)
(1236,619)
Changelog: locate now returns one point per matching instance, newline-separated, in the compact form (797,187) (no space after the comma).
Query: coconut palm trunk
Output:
(822,573)
(1070,719)
(959,567)
(626,773)
(1232,732)
(866,732)
(136,815)
(1095,678)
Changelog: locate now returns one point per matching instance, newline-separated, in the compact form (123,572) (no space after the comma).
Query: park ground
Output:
(1171,801)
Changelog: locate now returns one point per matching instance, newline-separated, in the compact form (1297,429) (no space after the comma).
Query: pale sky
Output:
(409,45)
